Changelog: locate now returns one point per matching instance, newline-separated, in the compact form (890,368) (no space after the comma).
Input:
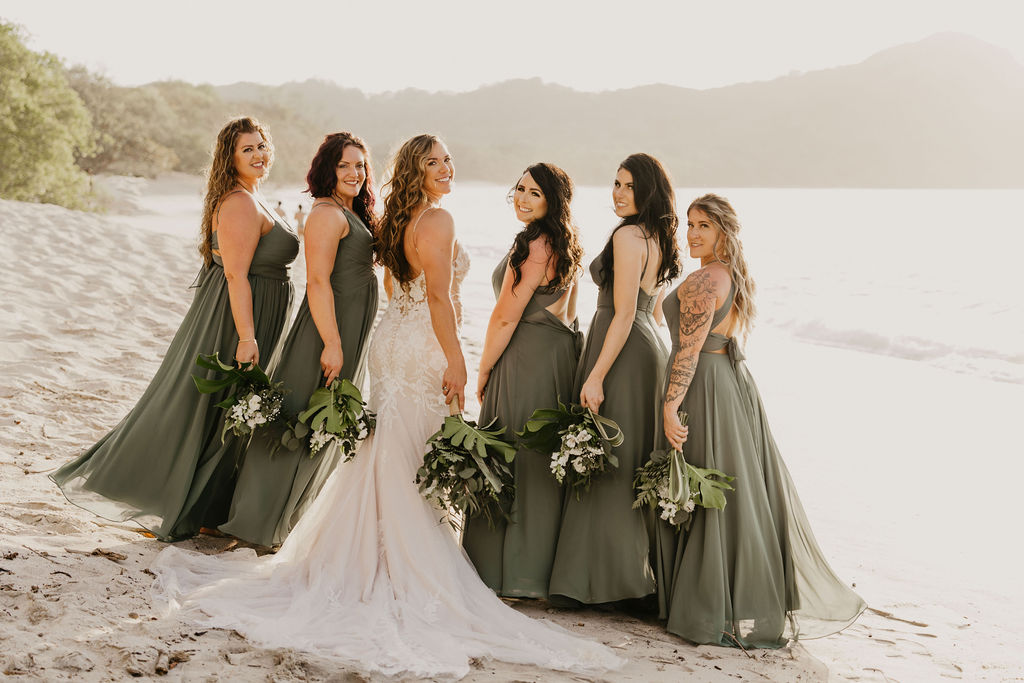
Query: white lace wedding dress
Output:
(370,576)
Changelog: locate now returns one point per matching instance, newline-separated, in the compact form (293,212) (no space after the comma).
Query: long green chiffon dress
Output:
(536,370)
(603,544)
(163,466)
(750,574)
(273,490)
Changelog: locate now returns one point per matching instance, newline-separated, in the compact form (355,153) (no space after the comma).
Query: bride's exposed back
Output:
(369,576)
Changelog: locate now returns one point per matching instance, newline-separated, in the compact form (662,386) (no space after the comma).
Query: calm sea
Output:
(927,275)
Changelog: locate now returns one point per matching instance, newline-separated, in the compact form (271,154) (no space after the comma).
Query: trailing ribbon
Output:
(202,276)
(678,480)
(603,424)
(717,342)
(732,347)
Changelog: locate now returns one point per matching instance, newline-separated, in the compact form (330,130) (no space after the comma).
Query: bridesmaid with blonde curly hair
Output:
(752,574)
(164,465)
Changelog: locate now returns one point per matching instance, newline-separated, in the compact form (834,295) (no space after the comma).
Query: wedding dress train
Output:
(370,576)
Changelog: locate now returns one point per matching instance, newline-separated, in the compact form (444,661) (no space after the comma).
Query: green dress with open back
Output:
(536,370)
(750,574)
(164,466)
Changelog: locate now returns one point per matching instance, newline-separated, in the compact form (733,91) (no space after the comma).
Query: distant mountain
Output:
(947,111)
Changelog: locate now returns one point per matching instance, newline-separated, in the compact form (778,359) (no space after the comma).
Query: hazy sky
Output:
(380,45)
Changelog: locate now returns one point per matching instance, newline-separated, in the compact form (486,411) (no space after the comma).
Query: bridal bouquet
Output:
(579,440)
(466,470)
(674,488)
(335,413)
(254,400)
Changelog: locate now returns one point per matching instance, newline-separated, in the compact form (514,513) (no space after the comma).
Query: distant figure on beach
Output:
(280,210)
(603,543)
(529,361)
(750,575)
(327,341)
(165,466)
(300,221)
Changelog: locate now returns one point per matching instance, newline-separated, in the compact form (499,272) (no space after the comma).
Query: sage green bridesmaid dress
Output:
(536,370)
(750,574)
(164,465)
(274,490)
(603,544)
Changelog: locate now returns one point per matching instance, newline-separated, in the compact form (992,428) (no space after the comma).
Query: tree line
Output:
(943,112)
(61,124)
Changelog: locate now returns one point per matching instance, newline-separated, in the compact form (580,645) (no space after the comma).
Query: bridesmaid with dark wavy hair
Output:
(328,340)
(164,466)
(603,543)
(528,362)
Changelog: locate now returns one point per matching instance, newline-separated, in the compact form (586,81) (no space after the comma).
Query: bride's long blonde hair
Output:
(405,193)
(729,252)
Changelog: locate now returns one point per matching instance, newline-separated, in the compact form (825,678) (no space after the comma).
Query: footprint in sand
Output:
(49,522)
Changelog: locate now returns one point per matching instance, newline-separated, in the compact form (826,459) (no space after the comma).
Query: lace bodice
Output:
(406,360)
(406,299)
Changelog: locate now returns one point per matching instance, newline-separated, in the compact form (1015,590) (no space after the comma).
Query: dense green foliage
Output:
(43,127)
(171,126)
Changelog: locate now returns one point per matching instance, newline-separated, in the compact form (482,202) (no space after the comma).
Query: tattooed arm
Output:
(698,298)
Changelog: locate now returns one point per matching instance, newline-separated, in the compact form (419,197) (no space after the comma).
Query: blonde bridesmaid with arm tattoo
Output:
(752,574)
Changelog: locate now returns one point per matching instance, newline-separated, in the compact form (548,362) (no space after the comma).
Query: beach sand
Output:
(909,475)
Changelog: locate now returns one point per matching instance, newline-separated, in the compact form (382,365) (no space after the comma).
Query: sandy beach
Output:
(909,474)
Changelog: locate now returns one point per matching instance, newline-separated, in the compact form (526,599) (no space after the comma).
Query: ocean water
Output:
(925,275)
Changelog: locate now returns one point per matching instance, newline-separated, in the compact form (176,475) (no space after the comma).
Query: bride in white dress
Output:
(369,576)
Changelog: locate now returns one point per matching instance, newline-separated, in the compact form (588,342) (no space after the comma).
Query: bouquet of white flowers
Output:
(466,470)
(579,440)
(254,401)
(335,413)
(674,488)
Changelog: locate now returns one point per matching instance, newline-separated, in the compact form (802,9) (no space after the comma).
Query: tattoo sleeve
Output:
(696,309)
